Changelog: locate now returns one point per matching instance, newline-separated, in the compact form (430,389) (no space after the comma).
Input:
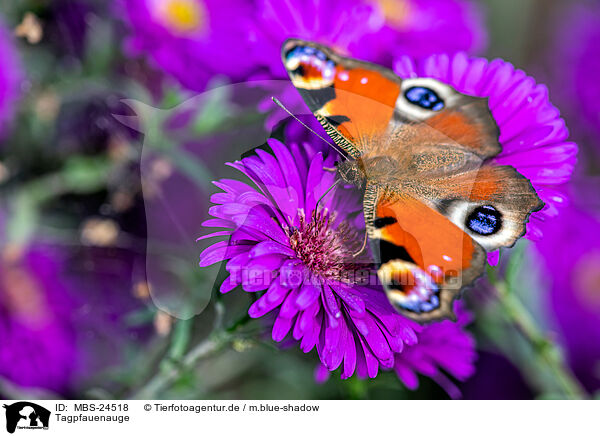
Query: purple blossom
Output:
(299,256)
(533,136)
(11,76)
(38,344)
(575,57)
(438,348)
(419,28)
(193,40)
(574,274)
(53,335)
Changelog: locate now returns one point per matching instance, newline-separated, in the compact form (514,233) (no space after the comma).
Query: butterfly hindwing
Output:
(423,259)
(492,204)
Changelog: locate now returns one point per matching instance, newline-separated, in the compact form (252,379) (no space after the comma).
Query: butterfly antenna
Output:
(327,192)
(280,104)
(364,245)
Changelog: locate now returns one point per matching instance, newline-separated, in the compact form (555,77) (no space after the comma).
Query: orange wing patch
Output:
(425,259)
(353,100)
(366,97)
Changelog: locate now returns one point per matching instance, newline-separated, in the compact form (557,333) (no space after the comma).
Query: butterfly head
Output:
(352,171)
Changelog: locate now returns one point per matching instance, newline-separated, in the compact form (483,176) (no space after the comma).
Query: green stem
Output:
(168,376)
(547,353)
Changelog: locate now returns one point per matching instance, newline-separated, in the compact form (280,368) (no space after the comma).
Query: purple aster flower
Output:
(191,40)
(576,54)
(52,335)
(299,255)
(443,345)
(374,31)
(574,301)
(11,75)
(533,136)
(195,39)
(38,347)
(419,28)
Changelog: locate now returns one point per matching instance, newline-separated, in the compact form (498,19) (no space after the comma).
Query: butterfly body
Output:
(434,200)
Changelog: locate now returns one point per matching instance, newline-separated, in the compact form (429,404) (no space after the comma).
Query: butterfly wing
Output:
(353,100)
(435,201)
(424,260)
(359,102)
(492,204)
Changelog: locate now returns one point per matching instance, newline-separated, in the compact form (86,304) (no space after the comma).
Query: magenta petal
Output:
(214,235)
(407,376)
(308,316)
(281,327)
(371,362)
(228,285)
(322,374)
(232,186)
(493,257)
(266,263)
(350,356)
(292,273)
(307,295)
(222,197)
(218,223)
(311,335)
(289,308)
(331,302)
(226,211)
(220,251)
(271,247)
(351,300)
(272,299)
(377,342)
(289,170)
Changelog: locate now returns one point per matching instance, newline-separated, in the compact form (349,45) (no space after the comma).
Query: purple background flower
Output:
(194,40)
(418,28)
(575,67)
(570,252)
(37,346)
(62,315)
(11,76)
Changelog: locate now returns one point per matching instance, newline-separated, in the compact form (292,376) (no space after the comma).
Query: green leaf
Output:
(85,174)
(23,222)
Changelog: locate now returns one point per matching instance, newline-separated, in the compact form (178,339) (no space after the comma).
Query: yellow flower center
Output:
(396,12)
(183,16)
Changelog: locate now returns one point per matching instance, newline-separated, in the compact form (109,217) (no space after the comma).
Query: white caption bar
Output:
(461,418)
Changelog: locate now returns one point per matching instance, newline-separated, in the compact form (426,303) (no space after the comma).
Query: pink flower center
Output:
(326,248)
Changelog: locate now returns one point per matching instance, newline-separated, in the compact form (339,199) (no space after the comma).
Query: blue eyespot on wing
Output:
(484,220)
(424,97)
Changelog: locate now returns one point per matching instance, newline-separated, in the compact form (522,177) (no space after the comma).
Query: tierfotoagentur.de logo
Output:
(26,415)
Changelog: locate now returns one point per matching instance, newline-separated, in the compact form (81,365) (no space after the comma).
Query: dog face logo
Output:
(26,415)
